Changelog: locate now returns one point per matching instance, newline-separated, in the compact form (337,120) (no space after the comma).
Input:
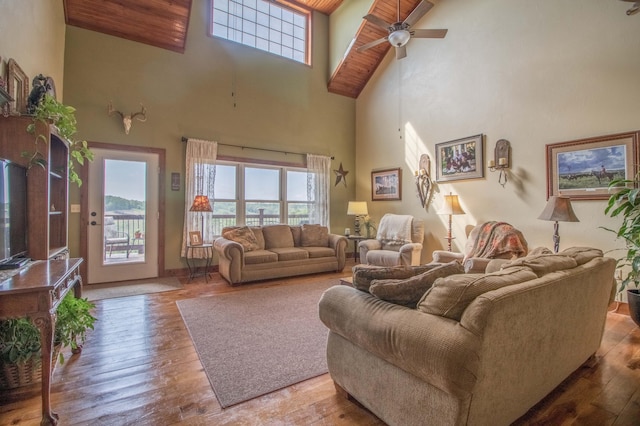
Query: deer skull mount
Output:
(128,119)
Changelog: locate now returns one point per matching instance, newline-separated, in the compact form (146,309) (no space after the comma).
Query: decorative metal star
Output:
(341,175)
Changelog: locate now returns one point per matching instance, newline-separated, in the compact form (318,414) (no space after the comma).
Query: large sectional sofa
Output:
(274,251)
(477,349)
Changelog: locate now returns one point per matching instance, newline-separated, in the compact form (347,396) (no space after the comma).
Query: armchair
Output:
(113,237)
(398,242)
(487,241)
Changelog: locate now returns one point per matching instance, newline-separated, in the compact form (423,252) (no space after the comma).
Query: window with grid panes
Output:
(263,25)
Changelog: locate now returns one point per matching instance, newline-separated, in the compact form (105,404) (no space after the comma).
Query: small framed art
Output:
(386,185)
(460,159)
(195,238)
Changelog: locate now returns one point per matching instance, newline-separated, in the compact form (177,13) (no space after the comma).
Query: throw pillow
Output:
(407,292)
(244,236)
(314,236)
(582,254)
(450,296)
(364,274)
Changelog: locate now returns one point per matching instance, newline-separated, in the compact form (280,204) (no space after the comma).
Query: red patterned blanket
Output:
(498,240)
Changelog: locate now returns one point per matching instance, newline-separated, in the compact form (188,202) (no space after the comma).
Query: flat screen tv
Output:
(13,215)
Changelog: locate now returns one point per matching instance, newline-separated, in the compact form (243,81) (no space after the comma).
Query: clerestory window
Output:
(263,25)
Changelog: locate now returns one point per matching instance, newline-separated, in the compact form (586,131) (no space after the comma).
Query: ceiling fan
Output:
(635,8)
(401,32)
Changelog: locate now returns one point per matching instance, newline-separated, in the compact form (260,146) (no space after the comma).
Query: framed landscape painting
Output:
(386,185)
(460,159)
(583,169)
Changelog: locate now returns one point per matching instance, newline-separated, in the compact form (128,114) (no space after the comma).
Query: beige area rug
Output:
(130,288)
(257,341)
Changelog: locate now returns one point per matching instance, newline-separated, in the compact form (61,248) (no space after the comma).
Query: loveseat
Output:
(477,349)
(275,251)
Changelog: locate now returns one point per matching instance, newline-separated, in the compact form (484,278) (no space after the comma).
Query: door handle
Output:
(93,223)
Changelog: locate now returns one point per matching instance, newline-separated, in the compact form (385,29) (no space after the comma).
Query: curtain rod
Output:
(184,139)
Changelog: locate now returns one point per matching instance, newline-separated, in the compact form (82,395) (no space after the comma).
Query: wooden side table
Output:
(194,269)
(356,239)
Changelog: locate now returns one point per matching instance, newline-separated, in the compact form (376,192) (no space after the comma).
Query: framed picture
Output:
(386,185)
(18,87)
(175,181)
(582,169)
(460,159)
(195,238)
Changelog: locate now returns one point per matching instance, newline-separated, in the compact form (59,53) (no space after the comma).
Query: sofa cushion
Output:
(582,254)
(243,235)
(364,274)
(259,256)
(296,231)
(543,264)
(408,291)
(315,252)
(314,236)
(277,236)
(290,253)
(450,296)
(257,231)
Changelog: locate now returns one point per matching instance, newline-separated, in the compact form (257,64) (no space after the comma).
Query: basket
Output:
(21,374)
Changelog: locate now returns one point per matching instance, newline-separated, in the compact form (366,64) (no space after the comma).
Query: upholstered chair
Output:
(487,241)
(398,242)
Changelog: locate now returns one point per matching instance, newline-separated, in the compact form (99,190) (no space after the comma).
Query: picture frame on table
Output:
(582,169)
(460,159)
(386,185)
(18,88)
(195,238)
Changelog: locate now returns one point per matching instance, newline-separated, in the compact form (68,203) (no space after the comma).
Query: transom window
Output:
(264,25)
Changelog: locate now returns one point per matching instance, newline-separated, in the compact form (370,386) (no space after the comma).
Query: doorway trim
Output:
(84,201)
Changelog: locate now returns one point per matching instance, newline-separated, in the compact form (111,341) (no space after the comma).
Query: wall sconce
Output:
(501,161)
(424,185)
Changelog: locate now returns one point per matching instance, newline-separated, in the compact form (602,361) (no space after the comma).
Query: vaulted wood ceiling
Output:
(164,24)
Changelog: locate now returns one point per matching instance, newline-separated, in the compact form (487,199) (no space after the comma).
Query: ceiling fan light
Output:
(399,38)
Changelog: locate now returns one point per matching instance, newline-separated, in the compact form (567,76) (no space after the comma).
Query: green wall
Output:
(278,104)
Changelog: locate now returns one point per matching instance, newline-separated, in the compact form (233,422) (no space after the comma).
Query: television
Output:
(13,215)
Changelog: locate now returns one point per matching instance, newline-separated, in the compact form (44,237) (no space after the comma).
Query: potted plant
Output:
(50,111)
(20,346)
(625,203)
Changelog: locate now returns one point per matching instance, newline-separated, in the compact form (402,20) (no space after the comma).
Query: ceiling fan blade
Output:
(421,9)
(428,33)
(377,21)
(401,52)
(371,44)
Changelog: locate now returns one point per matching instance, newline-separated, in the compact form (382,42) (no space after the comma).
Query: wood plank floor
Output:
(139,367)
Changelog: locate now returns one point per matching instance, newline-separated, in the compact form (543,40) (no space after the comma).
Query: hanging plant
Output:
(50,111)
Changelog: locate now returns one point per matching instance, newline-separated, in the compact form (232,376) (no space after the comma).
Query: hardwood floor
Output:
(139,367)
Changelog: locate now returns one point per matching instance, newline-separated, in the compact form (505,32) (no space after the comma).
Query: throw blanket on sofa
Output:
(498,239)
(395,229)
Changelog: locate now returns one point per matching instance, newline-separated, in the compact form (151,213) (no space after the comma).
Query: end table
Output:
(194,269)
(356,252)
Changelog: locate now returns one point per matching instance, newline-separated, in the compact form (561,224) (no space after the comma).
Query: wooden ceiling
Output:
(164,24)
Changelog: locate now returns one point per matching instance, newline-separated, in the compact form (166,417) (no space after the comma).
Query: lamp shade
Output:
(357,208)
(558,209)
(201,204)
(451,205)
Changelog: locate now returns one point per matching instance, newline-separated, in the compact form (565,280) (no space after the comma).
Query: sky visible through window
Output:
(125,179)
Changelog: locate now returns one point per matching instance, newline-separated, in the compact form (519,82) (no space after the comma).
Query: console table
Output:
(35,293)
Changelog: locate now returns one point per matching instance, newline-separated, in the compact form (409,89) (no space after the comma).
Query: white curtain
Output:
(199,180)
(318,187)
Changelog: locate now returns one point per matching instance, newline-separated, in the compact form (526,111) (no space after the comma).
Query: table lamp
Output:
(357,208)
(451,207)
(201,204)
(558,209)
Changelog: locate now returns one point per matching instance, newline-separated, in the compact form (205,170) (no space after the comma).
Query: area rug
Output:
(256,341)
(130,288)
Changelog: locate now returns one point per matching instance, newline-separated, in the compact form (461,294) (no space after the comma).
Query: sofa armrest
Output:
(433,348)
(339,244)
(365,245)
(443,256)
(476,265)
(230,250)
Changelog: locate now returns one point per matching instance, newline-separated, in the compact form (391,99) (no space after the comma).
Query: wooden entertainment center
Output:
(36,291)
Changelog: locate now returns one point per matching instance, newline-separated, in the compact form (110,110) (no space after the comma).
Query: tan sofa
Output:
(479,349)
(276,251)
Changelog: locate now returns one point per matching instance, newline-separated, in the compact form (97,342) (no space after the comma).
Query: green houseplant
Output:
(50,111)
(20,345)
(624,202)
